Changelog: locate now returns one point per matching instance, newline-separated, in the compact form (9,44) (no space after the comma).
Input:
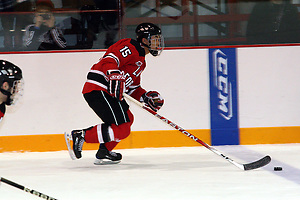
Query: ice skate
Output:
(68,138)
(104,157)
(78,140)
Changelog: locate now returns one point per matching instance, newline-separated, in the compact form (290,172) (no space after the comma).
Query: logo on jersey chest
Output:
(130,78)
(139,63)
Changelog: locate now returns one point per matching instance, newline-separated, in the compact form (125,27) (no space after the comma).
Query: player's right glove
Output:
(116,83)
(153,99)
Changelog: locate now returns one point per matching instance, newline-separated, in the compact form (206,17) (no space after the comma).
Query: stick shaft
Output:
(4,180)
(21,187)
(186,133)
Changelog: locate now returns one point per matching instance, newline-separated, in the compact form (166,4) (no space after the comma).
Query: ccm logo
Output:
(222,84)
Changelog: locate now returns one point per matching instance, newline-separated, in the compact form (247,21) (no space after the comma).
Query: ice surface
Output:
(156,173)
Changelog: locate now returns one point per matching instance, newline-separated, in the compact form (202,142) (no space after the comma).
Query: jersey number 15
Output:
(125,51)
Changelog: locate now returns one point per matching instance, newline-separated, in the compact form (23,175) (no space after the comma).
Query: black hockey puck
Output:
(277,168)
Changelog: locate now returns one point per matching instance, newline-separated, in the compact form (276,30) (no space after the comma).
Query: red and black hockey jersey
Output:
(126,55)
(2,111)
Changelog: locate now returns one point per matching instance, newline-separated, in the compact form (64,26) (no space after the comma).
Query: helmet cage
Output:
(16,92)
(156,44)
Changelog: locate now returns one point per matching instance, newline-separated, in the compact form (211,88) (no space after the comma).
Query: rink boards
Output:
(266,98)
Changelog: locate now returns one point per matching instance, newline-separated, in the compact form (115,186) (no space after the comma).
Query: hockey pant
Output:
(116,116)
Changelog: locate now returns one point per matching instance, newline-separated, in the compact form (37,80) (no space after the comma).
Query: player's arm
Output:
(116,78)
(31,37)
(58,37)
(151,98)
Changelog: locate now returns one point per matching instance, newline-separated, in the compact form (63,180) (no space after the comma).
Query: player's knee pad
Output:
(121,131)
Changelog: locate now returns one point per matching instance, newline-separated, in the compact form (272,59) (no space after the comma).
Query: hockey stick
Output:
(249,166)
(21,187)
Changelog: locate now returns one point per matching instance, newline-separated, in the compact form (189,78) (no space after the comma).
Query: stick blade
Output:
(257,164)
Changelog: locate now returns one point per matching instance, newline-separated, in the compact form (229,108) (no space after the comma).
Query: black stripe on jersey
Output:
(138,47)
(97,77)
(110,55)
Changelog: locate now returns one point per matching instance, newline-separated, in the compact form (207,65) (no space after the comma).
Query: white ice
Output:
(156,173)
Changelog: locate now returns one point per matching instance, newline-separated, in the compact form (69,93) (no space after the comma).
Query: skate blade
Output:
(105,162)
(68,139)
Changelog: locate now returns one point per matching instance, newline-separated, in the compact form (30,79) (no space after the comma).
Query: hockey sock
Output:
(100,133)
(111,145)
(91,135)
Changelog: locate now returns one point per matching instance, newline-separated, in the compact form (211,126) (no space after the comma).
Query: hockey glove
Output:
(153,99)
(116,83)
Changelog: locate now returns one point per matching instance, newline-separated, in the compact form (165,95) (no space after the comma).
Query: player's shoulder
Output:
(138,47)
(2,109)
(133,45)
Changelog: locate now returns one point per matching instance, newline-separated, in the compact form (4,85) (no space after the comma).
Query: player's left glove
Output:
(116,83)
(153,99)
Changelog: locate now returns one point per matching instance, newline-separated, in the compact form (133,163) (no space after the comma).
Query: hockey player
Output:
(118,71)
(11,82)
